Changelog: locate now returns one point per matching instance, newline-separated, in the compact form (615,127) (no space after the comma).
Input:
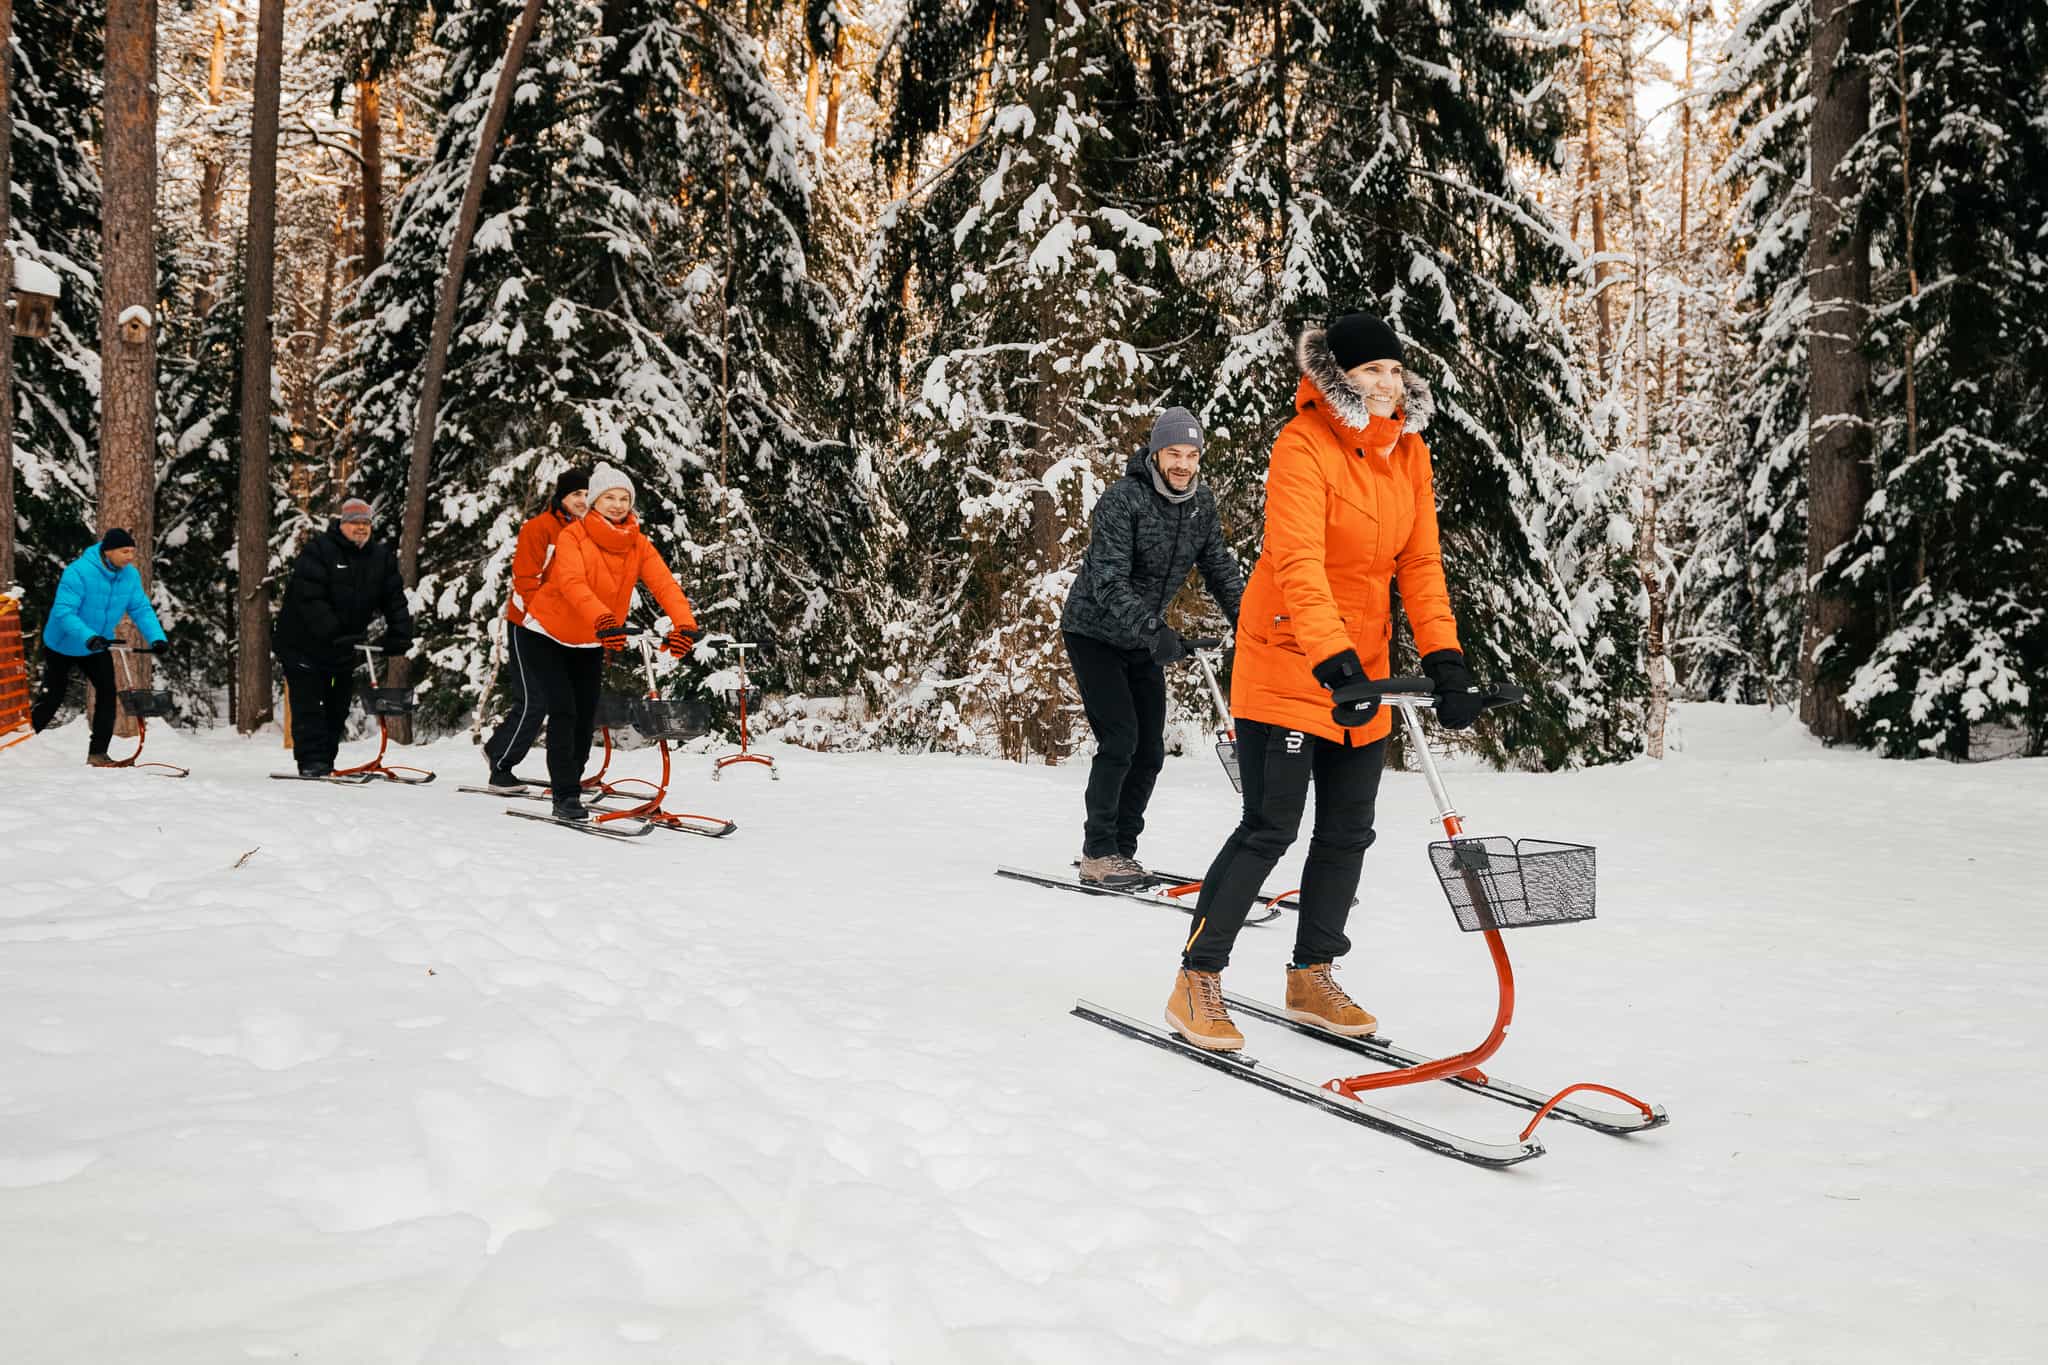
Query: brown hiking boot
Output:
(1314,997)
(101,761)
(1195,1009)
(1113,870)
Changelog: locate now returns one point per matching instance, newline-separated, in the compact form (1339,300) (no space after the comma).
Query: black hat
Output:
(571,481)
(117,539)
(1359,338)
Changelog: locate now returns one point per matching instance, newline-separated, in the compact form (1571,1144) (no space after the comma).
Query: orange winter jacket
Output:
(1350,506)
(530,559)
(593,573)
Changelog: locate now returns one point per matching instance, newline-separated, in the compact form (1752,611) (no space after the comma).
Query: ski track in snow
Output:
(420,1083)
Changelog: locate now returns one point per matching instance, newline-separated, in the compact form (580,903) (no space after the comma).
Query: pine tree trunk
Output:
(370,126)
(127,465)
(1656,664)
(429,415)
(252,520)
(1590,88)
(6,288)
(1838,433)
(212,171)
(833,87)
(984,72)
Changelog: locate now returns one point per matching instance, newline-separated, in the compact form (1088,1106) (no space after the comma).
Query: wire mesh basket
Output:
(145,703)
(1226,751)
(616,710)
(1500,883)
(386,701)
(671,718)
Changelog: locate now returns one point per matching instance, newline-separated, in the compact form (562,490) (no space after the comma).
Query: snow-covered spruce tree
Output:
(1951,540)
(1005,322)
(638,291)
(1372,164)
(55,220)
(197,476)
(1748,579)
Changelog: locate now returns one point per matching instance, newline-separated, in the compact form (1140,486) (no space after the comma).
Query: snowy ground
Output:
(417,1082)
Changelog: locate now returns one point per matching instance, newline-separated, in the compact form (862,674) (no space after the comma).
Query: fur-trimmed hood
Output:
(1319,366)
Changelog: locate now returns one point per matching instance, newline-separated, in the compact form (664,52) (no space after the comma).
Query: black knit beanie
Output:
(117,539)
(1359,338)
(571,481)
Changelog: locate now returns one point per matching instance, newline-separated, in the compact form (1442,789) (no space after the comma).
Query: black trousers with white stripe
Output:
(1278,767)
(513,739)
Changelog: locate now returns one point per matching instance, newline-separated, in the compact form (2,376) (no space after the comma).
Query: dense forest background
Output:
(1736,317)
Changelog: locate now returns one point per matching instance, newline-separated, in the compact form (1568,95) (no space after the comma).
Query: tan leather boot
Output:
(1113,870)
(1314,997)
(1195,1010)
(101,761)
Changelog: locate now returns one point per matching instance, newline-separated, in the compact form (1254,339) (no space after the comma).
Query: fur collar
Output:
(1319,366)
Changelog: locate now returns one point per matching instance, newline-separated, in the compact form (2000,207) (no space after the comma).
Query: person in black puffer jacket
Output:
(343,580)
(1148,530)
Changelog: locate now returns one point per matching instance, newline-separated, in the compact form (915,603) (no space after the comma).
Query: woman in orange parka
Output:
(1350,508)
(576,615)
(508,745)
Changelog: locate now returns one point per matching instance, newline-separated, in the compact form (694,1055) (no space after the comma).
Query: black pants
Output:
(1278,767)
(319,699)
(1124,693)
(513,739)
(99,671)
(564,683)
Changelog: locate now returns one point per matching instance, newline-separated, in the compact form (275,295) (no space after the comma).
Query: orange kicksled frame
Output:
(663,721)
(1489,902)
(384,702)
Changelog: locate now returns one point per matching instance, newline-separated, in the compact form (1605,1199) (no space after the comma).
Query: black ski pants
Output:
(1124,693)
(99,671)
(564,682)
(1278,767)
(513,739)
(319,699)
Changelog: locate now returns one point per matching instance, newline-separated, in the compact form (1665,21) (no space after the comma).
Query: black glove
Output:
(349,641)
(396,645)
(1168,647)
(682,639)
(96,645)
(610,633)
(1351,700)
(160,647)
(1458,698)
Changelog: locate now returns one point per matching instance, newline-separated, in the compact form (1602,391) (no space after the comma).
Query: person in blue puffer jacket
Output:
(98,588)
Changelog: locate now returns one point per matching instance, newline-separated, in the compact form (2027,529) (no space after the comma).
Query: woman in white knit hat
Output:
(578,612)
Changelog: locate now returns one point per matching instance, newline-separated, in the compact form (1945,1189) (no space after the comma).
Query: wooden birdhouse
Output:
(36,288)
(134,324)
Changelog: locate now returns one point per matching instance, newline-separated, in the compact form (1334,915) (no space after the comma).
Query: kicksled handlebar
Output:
(1421,693)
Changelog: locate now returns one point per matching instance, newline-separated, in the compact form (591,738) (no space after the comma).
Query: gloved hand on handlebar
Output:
(1458,698)
(682,639)
(1351,703)
(96,644)
(1168,646)
(610,633)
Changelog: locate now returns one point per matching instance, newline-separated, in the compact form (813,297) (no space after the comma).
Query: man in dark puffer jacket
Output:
(1148,530)
(343,580)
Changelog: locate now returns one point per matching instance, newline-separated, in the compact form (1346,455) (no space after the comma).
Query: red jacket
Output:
(530,559)
(592,575)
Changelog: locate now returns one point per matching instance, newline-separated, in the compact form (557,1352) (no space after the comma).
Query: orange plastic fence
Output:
(14,691)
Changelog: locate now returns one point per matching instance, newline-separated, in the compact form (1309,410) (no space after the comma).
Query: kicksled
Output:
(1492,883)
(662,719)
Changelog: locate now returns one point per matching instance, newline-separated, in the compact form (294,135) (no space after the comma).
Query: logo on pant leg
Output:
(1294,741)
